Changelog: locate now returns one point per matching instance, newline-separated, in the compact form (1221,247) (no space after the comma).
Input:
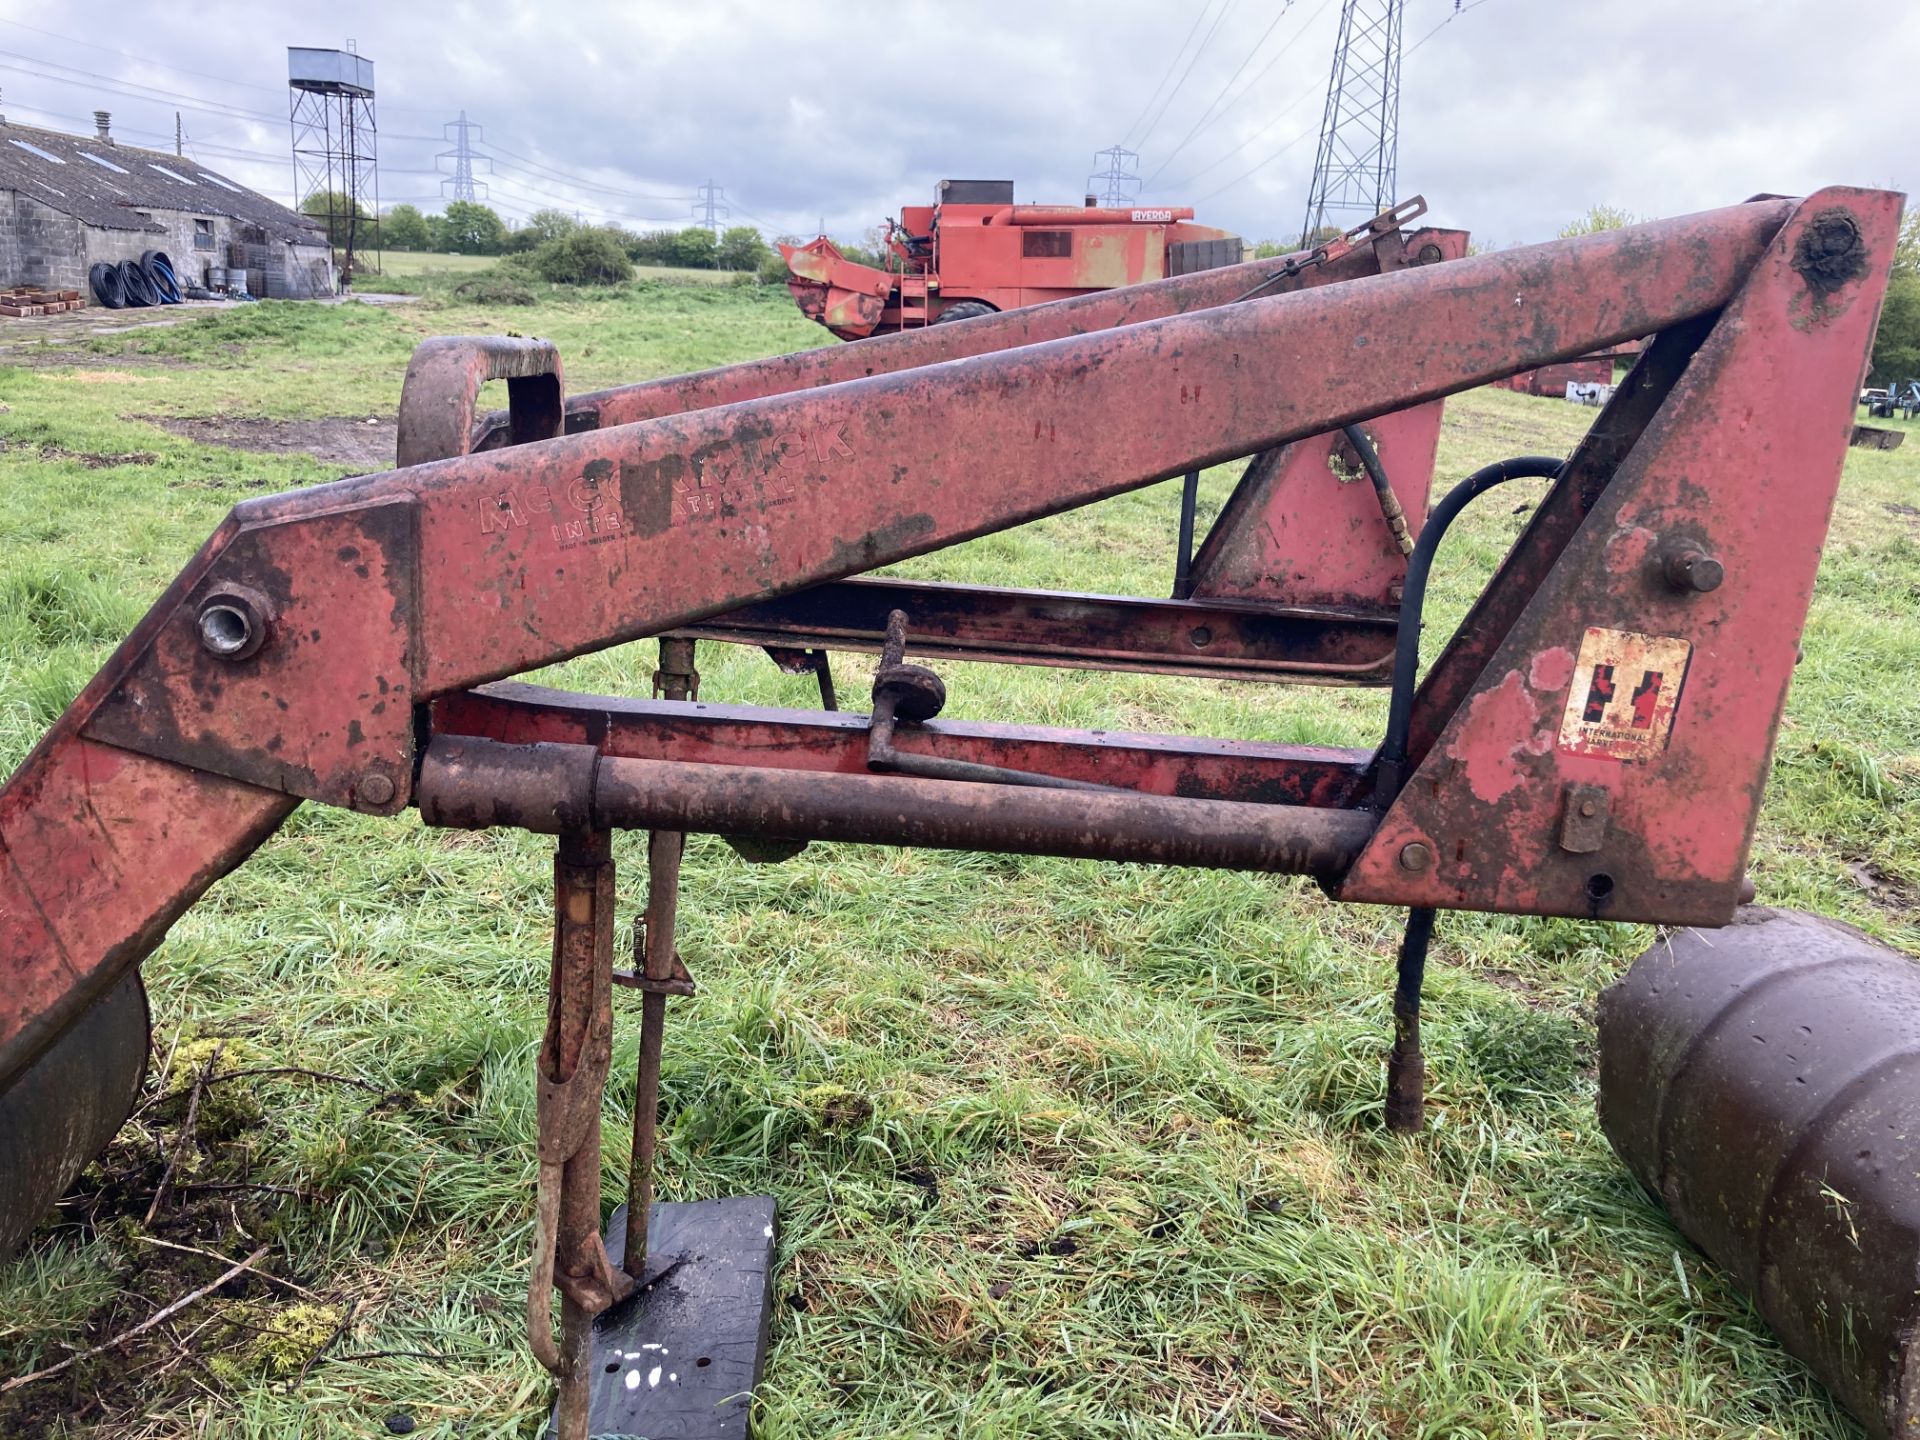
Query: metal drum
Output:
(67,1105)
(1764,1081)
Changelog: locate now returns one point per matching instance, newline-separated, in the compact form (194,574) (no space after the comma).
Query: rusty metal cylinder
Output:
(470,783)
(1764,1081)
(66,1106)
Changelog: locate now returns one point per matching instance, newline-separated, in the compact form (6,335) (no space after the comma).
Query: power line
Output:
(1255,170)
(143,59)
(1306,26)
(1166,75)
(1457,11)
(1205,115)
(1279,115)
(181,69)
(1205,40)
(556,174)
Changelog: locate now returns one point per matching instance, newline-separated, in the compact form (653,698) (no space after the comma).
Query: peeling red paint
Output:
(1552,669)
(1483,743)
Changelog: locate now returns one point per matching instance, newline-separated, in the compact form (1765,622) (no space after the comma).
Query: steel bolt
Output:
(1416,857)
(374,788)
(1693,571)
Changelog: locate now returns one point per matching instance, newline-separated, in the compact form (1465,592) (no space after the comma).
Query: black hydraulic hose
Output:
(1183,545)
(1406,654)
(1407,1062)
(1395,517)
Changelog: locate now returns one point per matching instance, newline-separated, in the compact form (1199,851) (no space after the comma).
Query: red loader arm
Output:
(295,655)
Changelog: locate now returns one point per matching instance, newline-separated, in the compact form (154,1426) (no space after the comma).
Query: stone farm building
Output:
(67,202)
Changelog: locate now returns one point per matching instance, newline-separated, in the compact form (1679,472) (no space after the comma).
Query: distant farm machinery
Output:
(1593,741)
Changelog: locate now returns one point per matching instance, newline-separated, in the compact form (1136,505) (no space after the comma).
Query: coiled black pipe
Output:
(139,287)
(1392,765)
(104,280)
(158,266)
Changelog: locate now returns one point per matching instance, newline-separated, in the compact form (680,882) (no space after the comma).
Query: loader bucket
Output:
(1877,437)
(846,297)
(1764,1082)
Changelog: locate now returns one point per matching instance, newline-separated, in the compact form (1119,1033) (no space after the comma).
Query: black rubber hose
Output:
(104,279)
(139,288)
(1406,653)
(163,283)
(1390,510)
(159,267)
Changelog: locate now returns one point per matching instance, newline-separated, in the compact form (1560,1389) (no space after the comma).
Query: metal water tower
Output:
(336,146)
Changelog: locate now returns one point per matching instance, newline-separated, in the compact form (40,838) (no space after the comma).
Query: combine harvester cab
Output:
(974,252)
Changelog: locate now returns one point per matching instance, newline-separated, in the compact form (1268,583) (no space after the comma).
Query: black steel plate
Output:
(680,1360)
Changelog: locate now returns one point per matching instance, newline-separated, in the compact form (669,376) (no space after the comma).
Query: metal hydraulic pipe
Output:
(467,783)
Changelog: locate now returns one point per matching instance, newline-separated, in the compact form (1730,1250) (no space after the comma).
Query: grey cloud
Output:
(1516,114)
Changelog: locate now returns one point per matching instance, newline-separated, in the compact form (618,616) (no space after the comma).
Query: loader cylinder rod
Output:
(473,784)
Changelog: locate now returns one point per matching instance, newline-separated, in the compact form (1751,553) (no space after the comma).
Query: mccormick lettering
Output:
(760,474)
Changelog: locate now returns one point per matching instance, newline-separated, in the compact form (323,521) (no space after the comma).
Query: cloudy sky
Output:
(1515,114)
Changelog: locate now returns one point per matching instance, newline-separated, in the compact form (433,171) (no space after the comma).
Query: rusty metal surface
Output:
(442,389)
(473,784)
(1611,675)
(1231,639)
(890,354)
(390,590)
(819,742)
(66,1107)
(1303,526)
(571,1082)
(658,964)
(1764,1081)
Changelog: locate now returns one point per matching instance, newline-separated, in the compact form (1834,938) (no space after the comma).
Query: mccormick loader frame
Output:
(1593,741)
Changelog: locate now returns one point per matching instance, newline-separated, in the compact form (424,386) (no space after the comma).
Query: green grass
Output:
(405,264)
(1060,1149)
(412,262)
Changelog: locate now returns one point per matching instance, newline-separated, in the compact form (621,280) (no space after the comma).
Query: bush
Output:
(586,257)
(491,287)
(773,269)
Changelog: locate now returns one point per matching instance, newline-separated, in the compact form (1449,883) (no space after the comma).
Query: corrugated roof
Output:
(104,184)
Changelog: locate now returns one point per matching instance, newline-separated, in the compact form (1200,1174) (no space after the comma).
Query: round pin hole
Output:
(703,1362)
(225,629)
(613,1366)
(1599,887)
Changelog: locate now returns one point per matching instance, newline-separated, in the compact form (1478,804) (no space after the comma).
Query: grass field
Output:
(405,264)
(1061,1149)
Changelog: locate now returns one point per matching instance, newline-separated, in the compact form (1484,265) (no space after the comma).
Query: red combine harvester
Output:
(1593,741)
(974,252)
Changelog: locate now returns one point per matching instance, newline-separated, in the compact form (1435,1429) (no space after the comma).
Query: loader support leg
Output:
(572,1081)
(676,679)
(1407,1065)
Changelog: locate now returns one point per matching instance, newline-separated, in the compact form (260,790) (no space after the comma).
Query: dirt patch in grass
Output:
(93,460)
(362,443)
(194,1150)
